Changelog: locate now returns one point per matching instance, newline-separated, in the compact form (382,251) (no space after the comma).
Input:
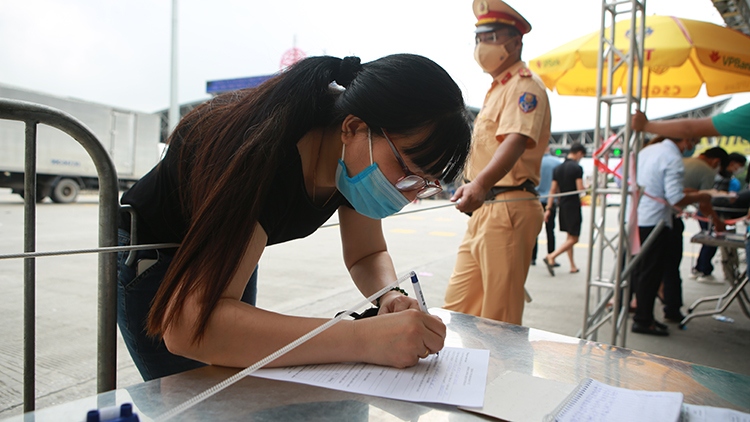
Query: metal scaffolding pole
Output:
(608,257)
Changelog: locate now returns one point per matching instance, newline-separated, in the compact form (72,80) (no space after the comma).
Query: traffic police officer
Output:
(511,134)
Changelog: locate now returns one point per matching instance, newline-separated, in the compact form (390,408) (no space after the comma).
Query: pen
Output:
(419,296)
(418,292)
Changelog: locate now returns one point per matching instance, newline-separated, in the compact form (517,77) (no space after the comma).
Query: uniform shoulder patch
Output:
(524,72)
(527,102)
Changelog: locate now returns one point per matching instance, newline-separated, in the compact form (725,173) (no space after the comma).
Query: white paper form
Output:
(458,377)
(695,413)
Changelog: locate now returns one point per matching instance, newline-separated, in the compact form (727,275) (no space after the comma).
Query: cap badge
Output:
(483,8)
(527,102)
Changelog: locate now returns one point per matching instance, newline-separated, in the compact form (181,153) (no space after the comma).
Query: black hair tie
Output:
(348,70)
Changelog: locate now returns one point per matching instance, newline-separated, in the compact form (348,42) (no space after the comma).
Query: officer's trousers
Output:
(494,258)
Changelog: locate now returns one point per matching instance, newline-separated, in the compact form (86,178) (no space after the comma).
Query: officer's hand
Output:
(547,214)
(469,197)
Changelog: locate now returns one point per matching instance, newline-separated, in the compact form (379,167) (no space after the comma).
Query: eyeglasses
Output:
(491,37)
(413,181)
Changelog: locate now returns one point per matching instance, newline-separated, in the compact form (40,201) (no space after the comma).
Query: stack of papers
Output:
(596,401)
(518,397)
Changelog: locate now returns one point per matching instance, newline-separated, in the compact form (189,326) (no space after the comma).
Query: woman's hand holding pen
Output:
(399,339)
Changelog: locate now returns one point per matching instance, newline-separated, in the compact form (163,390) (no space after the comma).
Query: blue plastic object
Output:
(124,413)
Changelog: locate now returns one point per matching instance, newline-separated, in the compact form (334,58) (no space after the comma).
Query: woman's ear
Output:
(349,128)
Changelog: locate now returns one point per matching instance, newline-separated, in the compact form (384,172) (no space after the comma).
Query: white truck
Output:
(131,138)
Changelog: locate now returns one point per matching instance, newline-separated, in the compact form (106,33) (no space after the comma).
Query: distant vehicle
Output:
(64,168)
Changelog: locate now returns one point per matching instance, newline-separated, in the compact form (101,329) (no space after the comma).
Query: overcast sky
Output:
(117,52)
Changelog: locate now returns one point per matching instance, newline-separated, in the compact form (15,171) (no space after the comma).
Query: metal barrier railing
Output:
(32,115)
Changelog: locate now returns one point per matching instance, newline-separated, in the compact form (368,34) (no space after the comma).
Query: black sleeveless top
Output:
(288,214)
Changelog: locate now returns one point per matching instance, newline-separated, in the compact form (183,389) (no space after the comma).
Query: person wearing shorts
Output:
(567,177)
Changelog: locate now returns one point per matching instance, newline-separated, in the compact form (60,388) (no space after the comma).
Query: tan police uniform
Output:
(495,254)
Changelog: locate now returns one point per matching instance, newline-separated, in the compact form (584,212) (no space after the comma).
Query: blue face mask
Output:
(369,192)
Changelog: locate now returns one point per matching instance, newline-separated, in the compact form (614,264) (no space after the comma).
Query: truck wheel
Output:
(65,191)
(39,196)
(42,191)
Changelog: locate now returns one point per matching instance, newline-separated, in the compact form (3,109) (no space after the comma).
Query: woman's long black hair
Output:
(229,147)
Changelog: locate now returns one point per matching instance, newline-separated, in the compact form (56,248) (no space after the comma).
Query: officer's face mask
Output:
(491,56)
(369,192)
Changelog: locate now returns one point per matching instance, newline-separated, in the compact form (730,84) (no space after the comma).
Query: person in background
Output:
(549,163)
(661,173)
(511,134)
(568,177)
(258,167)
(724,182)
(699,177)
(735,122)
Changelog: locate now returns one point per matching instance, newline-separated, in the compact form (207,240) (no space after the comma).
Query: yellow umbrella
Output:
(680,55)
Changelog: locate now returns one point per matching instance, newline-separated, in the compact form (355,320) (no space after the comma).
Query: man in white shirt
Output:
(661,173)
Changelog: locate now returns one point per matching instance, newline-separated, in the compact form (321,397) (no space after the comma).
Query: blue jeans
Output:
(134,295)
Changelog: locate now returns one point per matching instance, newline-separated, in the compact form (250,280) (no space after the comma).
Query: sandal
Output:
(550,267)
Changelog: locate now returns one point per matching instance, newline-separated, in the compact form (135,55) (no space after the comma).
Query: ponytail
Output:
(227,149)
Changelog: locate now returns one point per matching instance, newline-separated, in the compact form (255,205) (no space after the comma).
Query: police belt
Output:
(527,186)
